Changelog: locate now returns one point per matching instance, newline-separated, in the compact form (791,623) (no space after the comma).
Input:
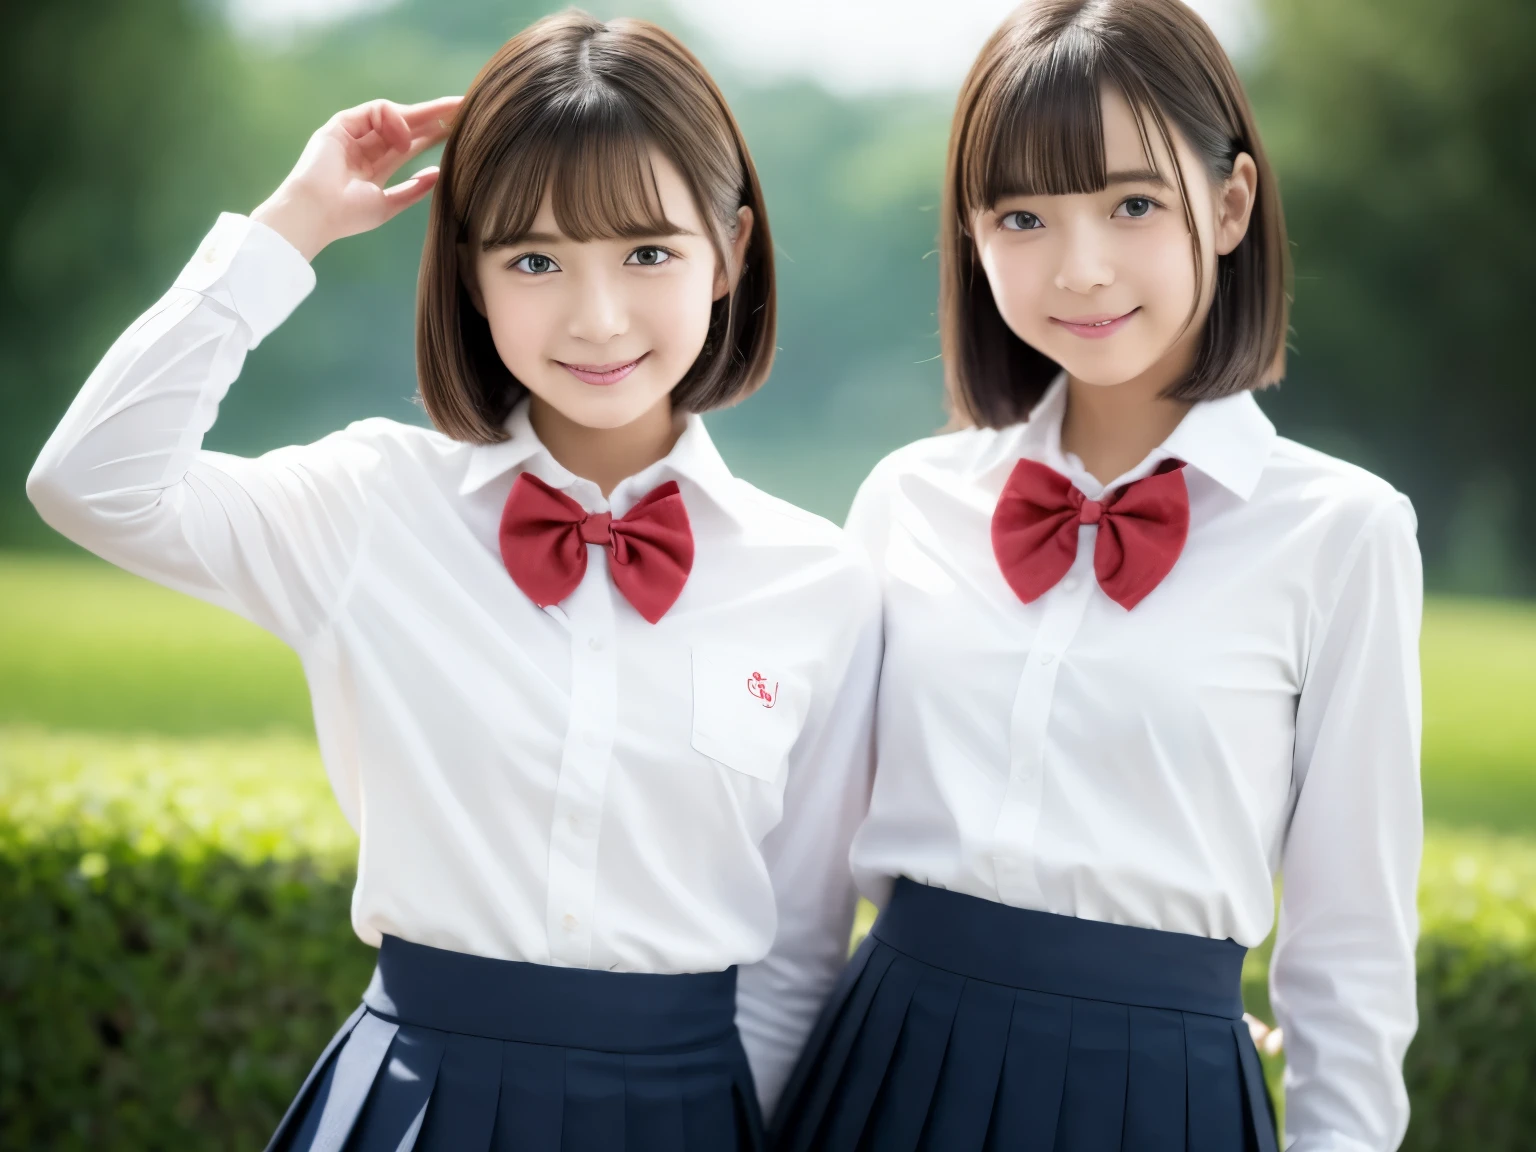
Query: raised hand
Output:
(338,188)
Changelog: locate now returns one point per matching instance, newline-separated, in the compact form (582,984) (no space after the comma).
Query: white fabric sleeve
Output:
(1343,976)
(825,797)
(125,474)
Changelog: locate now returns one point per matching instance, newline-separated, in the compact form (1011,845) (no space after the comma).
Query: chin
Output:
(1102,372)
(602,411)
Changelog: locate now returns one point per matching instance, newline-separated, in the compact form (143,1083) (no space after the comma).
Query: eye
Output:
(649,256)
(535,264)
(1020,222)
(1136,207)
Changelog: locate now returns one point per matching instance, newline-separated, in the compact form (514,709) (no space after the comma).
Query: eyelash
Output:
(667,252)
(1150,202)
(1003,222)
(518,265)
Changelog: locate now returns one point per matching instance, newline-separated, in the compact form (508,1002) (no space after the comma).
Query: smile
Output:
(602,373)
(1095,327)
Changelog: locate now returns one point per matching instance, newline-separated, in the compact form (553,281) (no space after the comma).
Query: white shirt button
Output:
(1047,657)
(570,923)
(1070,584)
(595,643)
(593,737)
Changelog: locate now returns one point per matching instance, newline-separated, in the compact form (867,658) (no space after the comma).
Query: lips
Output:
(1095,327)
(602,373)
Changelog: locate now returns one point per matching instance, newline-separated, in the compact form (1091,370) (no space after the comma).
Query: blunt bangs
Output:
(591,156)
(1043,133)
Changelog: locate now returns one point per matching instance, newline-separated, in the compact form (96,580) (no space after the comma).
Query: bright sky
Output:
(848,45)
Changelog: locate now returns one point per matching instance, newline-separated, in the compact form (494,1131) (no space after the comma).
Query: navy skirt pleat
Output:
(456,1053)
(819,1070)
(464,1098)
(1156,1075)
(531,1110)
(960,1110)
(1033,1073)
(871,1054)
(397,1105)
(963,1025)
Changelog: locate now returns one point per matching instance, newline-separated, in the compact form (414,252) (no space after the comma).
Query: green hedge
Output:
(175,949)
(174,941)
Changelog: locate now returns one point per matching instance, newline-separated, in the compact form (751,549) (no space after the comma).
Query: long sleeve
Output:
(1343,970)
(125,474)
(831,765)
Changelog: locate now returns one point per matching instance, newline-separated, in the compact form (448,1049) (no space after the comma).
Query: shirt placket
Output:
(584,765)
(1019,815)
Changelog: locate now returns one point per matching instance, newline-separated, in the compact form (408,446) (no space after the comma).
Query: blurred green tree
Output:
(101,97)
(1400,130)
(1405,138)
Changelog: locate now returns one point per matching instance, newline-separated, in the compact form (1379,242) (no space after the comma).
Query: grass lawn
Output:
(84,647)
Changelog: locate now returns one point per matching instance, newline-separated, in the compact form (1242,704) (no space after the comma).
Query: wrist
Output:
(295,221)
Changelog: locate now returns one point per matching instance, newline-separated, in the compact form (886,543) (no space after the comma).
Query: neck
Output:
(1112,428)
(606,456)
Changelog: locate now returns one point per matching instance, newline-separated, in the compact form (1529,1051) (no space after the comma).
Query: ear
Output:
(726,278)
(470,277)
(1234,203)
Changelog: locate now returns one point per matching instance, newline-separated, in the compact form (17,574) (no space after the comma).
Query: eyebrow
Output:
(1137,176)
(561,238)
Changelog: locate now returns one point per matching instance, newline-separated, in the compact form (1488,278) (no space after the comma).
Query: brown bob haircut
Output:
(1028,122)
(571,107)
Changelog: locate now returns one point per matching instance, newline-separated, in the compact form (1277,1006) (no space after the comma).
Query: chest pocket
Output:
(746,714)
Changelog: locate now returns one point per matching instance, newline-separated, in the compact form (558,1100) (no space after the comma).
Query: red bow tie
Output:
(544,537)
(1142,529)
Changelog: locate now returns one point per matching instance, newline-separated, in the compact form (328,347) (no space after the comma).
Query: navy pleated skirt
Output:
(457,1053)
(963,1025)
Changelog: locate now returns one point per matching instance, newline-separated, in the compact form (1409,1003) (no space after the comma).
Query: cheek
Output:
(675,311)
(521,322)
(1163,264)
(1016,278)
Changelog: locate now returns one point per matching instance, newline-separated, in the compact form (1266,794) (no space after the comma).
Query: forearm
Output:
(136,427)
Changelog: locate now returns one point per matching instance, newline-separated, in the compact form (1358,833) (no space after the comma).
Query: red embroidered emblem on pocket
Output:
(765,695)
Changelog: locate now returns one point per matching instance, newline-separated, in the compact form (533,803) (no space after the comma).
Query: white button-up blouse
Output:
(1258,712)
(570,785)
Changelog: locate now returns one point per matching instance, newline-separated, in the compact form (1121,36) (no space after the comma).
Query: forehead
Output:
(1131,141)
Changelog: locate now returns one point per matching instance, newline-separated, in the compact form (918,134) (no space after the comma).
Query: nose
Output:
(1085,261)
(599,313)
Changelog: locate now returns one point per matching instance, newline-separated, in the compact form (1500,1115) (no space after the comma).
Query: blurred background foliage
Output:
(173,876)
(1401,130)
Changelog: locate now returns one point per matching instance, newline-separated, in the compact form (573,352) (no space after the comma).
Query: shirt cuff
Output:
(250,269)
(1327,1142)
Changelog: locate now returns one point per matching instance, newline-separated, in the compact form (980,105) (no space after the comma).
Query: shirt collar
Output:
(1228,439)
(694,459)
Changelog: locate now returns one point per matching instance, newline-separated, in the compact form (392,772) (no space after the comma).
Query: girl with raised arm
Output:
(1141,654)
(599,711)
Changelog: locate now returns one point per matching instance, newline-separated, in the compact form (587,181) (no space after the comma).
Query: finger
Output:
(435,113)
(387,147)
(1256,1028)
(383,162)
(393,128)
(420,144)
(381,117)
(401,196)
